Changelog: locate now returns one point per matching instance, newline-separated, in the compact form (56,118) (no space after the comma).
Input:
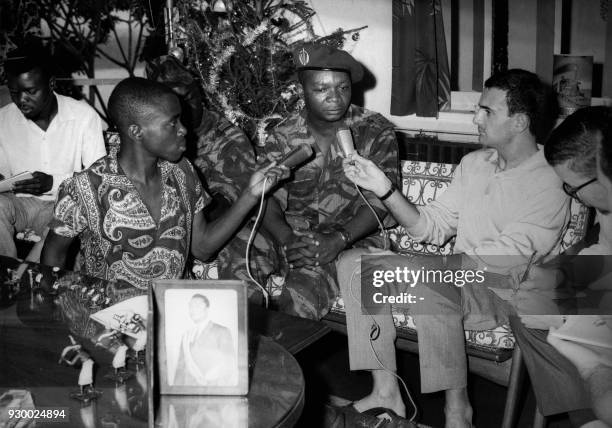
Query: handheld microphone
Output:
(345,138)
(297,156)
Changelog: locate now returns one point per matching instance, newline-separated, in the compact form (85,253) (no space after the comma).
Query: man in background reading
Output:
(42,132)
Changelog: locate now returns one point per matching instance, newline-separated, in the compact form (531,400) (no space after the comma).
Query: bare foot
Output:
(393,402)
(458,417)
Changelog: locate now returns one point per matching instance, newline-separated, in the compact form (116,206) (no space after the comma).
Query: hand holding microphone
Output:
(363,173)
(297,156)
(359,170)
(278,171)
(366,174)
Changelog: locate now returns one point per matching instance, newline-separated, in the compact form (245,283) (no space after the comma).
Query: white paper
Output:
(117,317)
(7,184)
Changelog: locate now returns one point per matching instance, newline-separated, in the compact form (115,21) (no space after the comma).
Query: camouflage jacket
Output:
(225,156)
(319,194)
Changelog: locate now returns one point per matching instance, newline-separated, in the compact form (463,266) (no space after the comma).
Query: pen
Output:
(525,274)
(529,264)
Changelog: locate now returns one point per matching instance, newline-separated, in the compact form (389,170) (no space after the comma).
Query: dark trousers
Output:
(556,382)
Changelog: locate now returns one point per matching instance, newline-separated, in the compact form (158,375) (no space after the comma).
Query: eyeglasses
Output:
(572,192)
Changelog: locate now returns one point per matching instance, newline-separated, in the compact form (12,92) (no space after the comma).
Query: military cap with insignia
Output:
(313,56)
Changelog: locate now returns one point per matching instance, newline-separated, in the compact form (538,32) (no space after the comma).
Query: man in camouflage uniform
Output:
(318,213)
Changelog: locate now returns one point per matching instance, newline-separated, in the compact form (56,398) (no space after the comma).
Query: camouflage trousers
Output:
(307,292)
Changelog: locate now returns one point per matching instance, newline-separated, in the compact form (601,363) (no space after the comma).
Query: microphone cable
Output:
(383,231)
(266,294)
(374,334)
(250,242)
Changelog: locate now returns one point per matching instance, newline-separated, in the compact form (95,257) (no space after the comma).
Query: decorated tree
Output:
(242,52)
(240,49)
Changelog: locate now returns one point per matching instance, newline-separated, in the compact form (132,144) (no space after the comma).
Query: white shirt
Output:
(497,213)
(72,142)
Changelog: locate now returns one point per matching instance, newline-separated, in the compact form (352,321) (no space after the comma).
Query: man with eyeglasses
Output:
(572,192)
(571,150)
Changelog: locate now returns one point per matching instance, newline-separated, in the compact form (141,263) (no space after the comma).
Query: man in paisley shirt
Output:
(139,211)
(224,157)
(223,154)
(319,212)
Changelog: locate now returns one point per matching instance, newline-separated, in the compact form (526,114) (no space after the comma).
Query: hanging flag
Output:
(421,75)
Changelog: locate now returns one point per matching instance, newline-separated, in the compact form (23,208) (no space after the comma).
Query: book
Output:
(7,184)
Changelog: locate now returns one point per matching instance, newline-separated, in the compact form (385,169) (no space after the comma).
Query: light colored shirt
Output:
(497,213)
(72,142)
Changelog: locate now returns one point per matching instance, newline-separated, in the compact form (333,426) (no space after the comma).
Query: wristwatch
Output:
(388,194)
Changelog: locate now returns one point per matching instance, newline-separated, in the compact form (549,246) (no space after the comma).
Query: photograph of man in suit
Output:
(207,356)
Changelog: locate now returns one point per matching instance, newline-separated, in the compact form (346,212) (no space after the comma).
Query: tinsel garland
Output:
(243,57)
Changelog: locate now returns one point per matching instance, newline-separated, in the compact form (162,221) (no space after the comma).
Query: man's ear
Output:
(135,132)
(521,122)
(300,89)
(52,83)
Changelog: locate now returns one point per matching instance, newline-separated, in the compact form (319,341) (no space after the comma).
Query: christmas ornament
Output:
(178,53)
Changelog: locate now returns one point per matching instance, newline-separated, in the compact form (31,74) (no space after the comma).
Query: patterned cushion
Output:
(577,227)
(210,270)
(422,182)
(202,270)
(498,338)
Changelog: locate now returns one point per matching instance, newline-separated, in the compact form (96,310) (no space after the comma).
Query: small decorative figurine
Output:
(121,373)
(113,342)
(73,354)
(138,350)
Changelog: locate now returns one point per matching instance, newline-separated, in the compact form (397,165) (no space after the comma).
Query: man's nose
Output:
(477,119)
(333,95)
(23,96)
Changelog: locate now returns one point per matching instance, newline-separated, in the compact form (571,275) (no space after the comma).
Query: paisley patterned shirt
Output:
(319,193)
(119,238)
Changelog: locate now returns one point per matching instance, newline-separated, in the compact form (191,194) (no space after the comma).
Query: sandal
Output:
(393,420)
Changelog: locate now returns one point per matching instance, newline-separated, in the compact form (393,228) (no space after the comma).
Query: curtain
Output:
(421,77)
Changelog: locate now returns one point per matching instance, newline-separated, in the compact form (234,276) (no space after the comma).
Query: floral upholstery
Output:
(422,182)
(201,270)
(577,226)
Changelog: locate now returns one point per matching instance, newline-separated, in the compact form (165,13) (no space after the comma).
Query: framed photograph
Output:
(200,337)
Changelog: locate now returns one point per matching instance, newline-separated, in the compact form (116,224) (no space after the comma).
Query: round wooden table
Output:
(34,328)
